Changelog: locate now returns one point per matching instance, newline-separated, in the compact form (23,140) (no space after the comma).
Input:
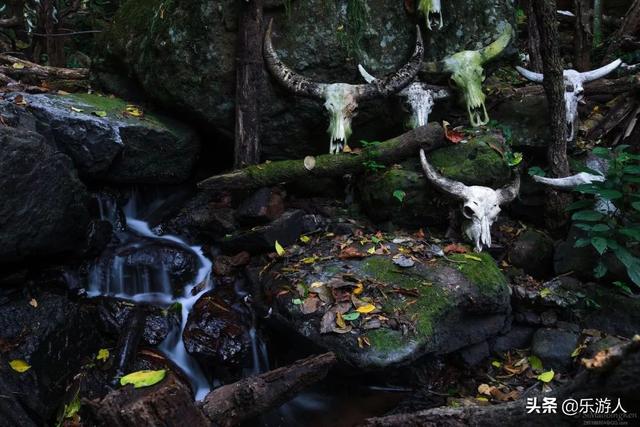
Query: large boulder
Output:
(476,162)
(105,142)
(183,55)
(384,306)
(43,204)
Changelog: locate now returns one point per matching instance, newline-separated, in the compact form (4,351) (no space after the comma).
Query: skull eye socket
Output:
(569,88)
(467,212)
(452,83)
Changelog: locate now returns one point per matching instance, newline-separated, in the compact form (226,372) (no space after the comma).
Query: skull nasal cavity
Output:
(468,212)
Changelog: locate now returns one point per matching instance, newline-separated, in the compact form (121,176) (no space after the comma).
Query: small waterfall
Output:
(152,284)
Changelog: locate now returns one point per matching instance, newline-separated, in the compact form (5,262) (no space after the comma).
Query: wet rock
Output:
(474,354)
(518,337)
(526,120)
(473,163)
(43,204)
(55,336)
(431,308)
(202,217)
(159,322)
(261,207)
(171,58)
(533,253)
(554,348)
(134,264)
(116,148)
(216,334)
(285,230)
(228,265)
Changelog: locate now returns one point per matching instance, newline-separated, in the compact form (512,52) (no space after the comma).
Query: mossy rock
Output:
(183,55)
(110,144)
(475,163)
(433,307)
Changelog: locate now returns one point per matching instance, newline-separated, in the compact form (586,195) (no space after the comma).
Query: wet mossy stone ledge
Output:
(388,314)
(106,143)
(477,162)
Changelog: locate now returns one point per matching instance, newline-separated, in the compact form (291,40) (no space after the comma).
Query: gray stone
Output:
(518,337)
(554,348)
(533,252)
(475,354)
(43,204)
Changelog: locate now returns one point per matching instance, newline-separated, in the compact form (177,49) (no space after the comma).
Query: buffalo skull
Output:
(432,11)
(341,99)
(466,69)
(420,97)
(574,90)
(480,205)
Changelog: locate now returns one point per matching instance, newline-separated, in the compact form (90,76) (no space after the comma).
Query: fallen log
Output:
(232,404)
(328,165)
(21,68)
(612,373)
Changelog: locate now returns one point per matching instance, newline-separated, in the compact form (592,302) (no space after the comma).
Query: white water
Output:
(117,285)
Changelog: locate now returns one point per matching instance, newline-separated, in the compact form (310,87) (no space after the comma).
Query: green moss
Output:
(474,163)
(485,274)
(430,304)
(115,107)
(385,340)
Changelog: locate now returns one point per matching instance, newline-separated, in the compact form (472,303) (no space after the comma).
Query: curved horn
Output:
(447,185)
(365,74)
(510,192)
(499,45)
(530,75)
(588,76)
(395,82)
(285,75)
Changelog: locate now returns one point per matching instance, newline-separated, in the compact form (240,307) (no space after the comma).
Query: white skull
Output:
(421,98)
(481,205)
(341,103)
(574,91)
(432,10)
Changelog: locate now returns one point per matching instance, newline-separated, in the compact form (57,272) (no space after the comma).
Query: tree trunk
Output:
(630,25)
(535,60)
(545,13)
(327,165)
(248,84)
(232,404)
(597,23)
(584,35)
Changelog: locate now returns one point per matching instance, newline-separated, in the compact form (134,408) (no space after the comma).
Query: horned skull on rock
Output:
(574,90)
(432,11)
(480,205)
(420,97)
(467,74)
(341,99)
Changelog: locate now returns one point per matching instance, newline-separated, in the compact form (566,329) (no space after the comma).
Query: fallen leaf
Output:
(311,304)
(472,257)
(403,261)
(371,250)
(103,355)
(133,111)
(351,316)
(309,163)
(144,378)
(18,65)
(309,260)
(456,249)
(350,252)
(19,365)
(546,377)
(485,389)
(19,100)
(535,363)
(545,292)
(578,350)
(358,289)
(279,249)
(33,303)
(305,239)
(496,364)
(296,301)
(327,322)
(452,134)
(99,113)
(340,321)
(366,308)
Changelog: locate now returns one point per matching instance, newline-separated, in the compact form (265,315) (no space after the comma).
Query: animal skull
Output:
(432,10)
(481,205)
(574,90)
(467,74)
(421,98)
(341,99)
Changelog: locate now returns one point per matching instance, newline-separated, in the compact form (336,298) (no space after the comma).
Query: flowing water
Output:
(152,285)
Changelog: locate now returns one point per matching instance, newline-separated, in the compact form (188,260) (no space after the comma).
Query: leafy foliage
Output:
(615,229)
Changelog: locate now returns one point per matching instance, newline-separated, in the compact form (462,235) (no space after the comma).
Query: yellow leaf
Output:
(546,377)
(305,239)
(279,249)
(496,364)
(366,308)
(76,110)
(19,365)
(309,260)
(18,65)
(340,321)
(545,292)
(358,289)
(371,250)
(472,257)
(33,303)
(103,354)
(141,379)
(99,113)
(578,350)
(132,110)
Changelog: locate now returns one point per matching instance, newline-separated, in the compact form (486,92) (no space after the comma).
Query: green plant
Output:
(617,228)
(400,195)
